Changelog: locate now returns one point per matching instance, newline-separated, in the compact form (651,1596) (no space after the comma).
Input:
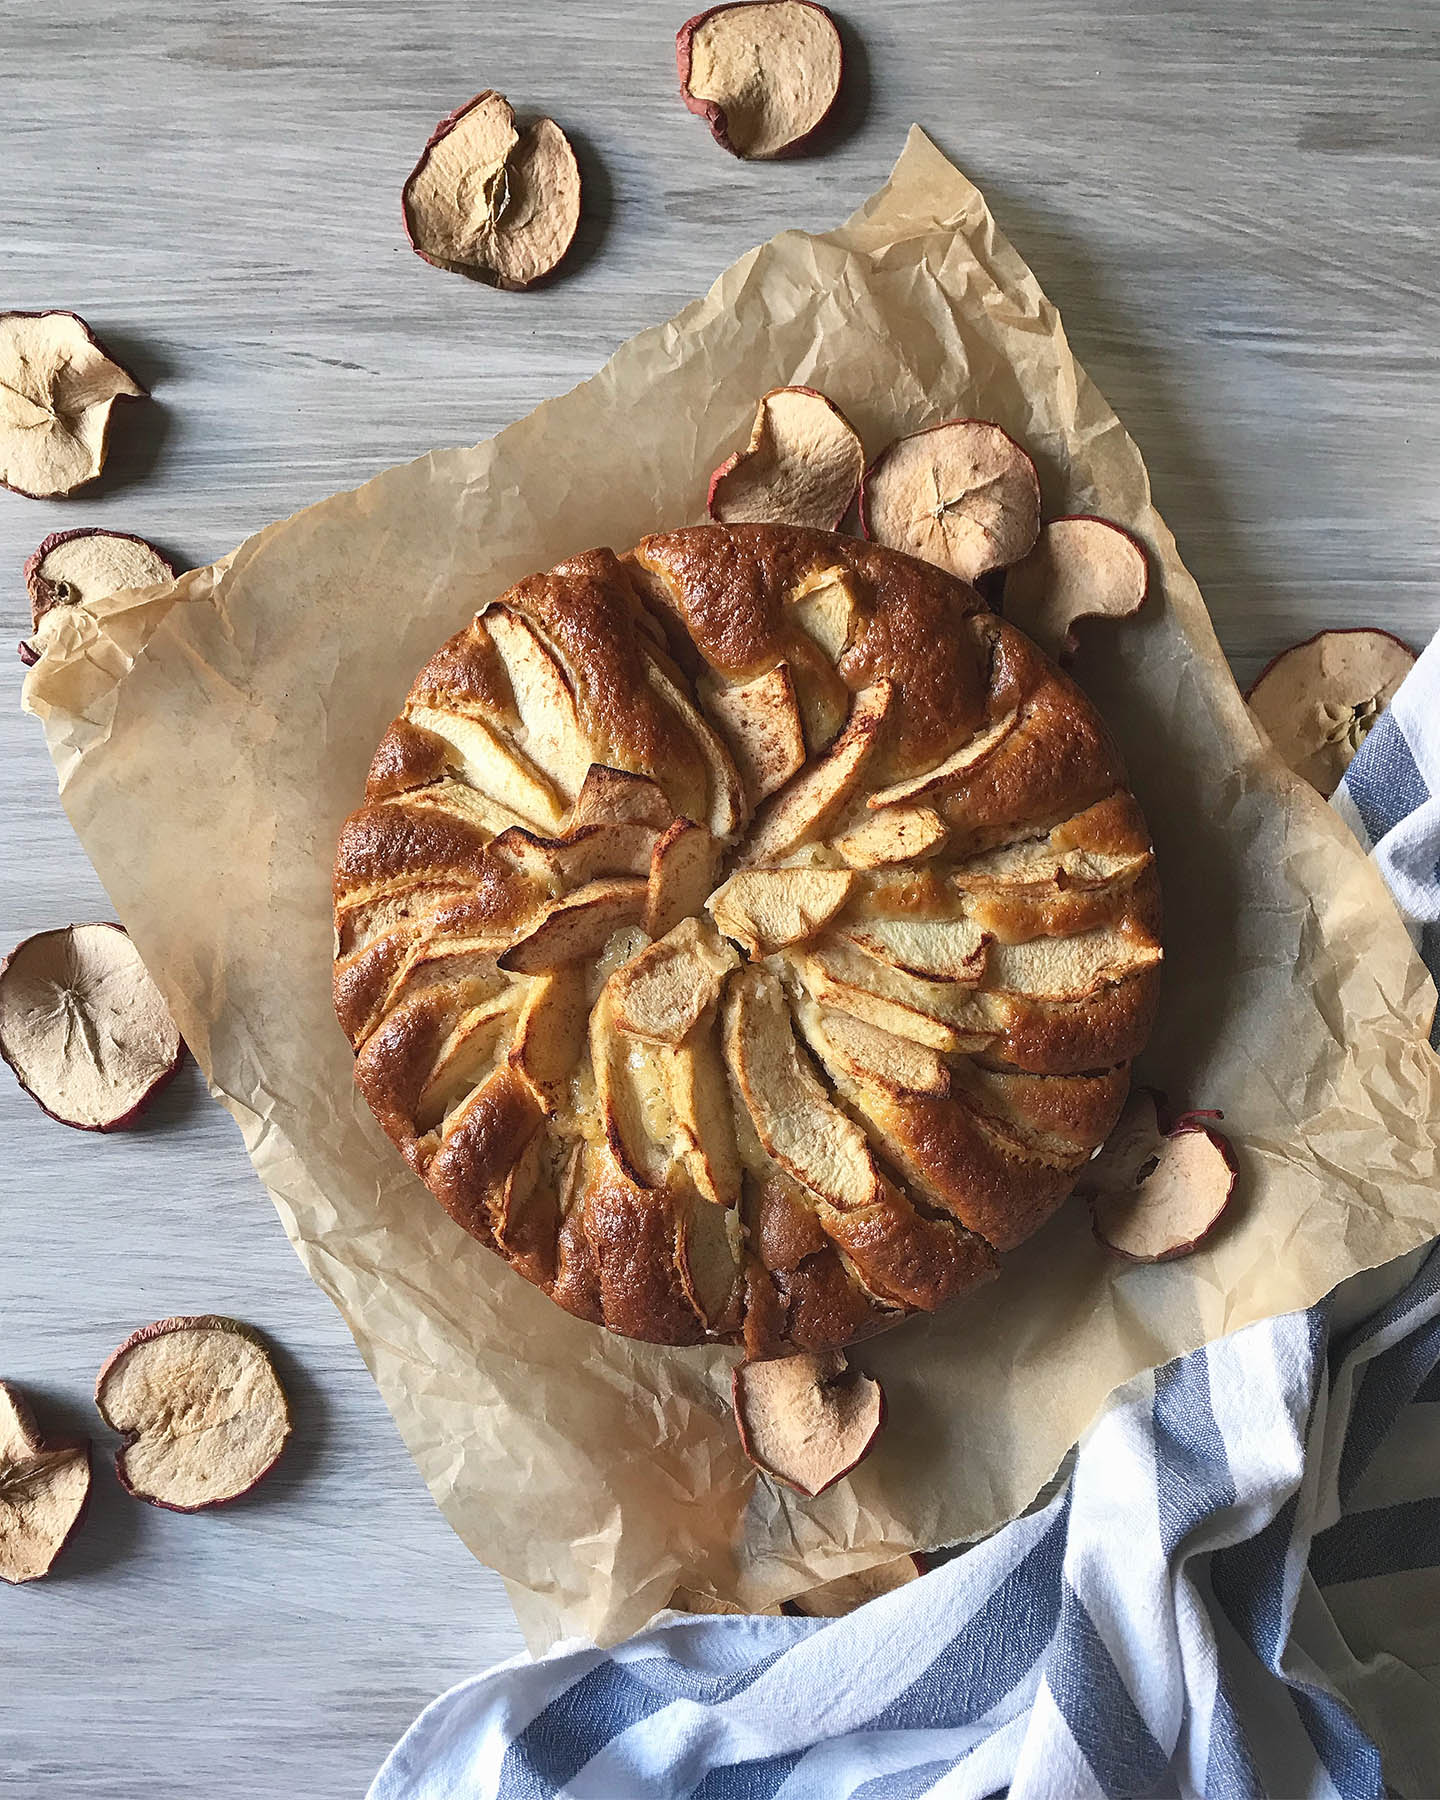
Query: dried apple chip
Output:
(1318,700)
(806,1420)
(58,385)
(1157,1194)
(1079,569)
(763,74)
(962,495)
(489,200)
(200,1407)
(85,1028)
(44,1488)
(802,465)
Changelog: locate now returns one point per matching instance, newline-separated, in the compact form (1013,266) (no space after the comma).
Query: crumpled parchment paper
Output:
(210,737)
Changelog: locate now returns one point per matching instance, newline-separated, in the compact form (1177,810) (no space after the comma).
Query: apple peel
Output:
(962,495)
(76,568)
(44,1489)
(58,386)
(763,74)
(490,200)
(1318,700)
(200,1407)
(1080,568)
(806,1421)
(802,465)
(1157,1194)
(84,1027)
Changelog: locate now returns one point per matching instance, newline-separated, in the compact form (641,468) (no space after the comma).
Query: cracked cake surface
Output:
(747,937)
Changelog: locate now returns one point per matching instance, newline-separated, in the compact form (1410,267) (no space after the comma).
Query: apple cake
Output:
(746,937)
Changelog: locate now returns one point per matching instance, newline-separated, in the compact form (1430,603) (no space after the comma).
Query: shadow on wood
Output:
(138,428)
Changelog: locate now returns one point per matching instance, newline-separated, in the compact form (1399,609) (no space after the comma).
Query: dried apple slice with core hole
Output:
(962,495)
(85,1028)
(491,201)
(57,388)
(1155,1194)
(77,568)
(201,1409)
(43,1491)
(1318,700)
(802,465)
(1079,569)
(74,568)
(806,1420)
(762,909)
(762,75)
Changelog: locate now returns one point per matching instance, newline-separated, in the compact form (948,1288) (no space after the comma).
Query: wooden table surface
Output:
(1234,207)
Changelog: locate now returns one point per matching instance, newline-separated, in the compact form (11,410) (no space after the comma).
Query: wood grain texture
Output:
(1234,208)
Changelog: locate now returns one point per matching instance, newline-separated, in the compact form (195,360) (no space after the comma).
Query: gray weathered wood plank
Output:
(1234,208)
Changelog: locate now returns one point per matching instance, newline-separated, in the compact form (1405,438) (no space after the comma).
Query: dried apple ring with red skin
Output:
(84,1027)
(763,74)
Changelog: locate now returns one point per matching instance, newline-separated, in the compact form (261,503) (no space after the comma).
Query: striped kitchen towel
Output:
(1390,799)
(1236,1593)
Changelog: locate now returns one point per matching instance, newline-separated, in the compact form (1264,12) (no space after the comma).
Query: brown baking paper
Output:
(210,737)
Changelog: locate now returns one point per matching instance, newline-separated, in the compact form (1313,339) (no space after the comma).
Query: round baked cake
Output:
(746,937)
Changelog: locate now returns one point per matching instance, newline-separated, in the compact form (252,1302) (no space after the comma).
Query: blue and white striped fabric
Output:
(1390,799)
(1237,1592)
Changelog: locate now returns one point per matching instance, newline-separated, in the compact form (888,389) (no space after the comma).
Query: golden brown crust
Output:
(408,757)
(729,594)
(467,1174)
(467,674)
(632,1236)
(1058,759)
(970,1165)
(380,845)
(1066,1037)
(805,1177)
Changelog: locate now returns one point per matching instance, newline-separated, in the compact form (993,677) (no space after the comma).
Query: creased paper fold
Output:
(211,736)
